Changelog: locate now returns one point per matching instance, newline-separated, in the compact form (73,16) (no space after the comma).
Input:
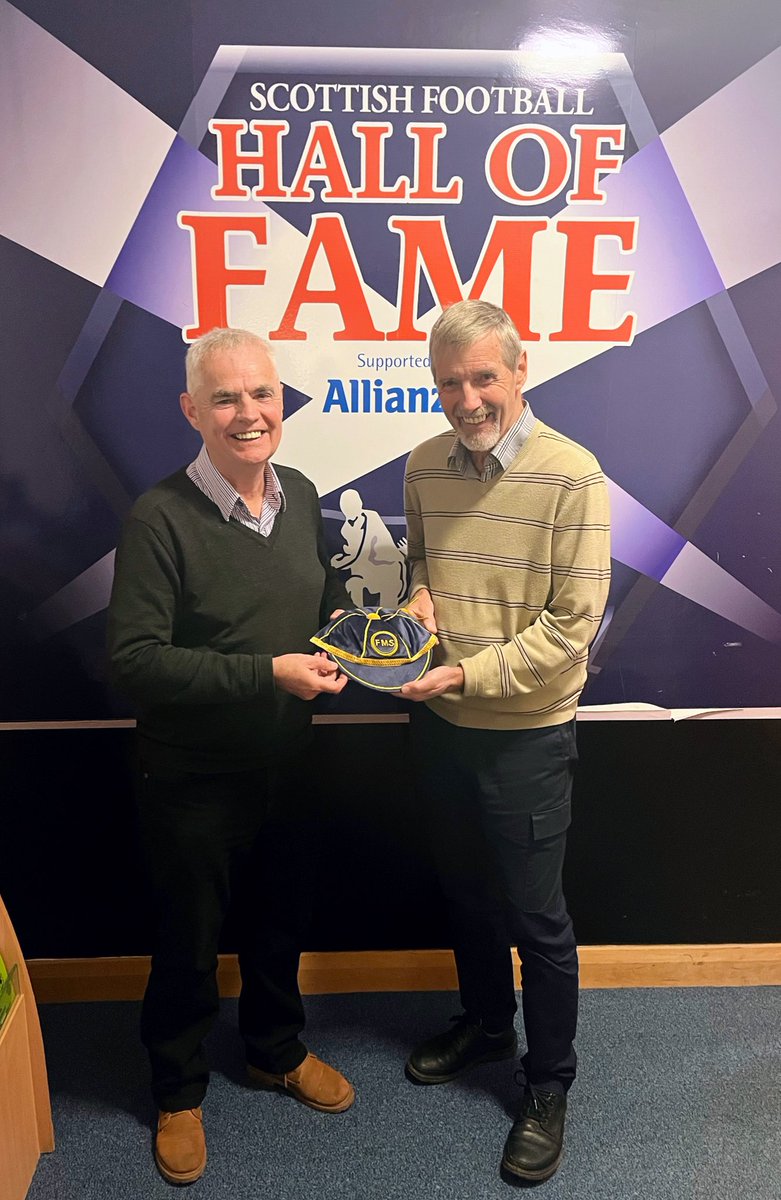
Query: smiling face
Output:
(480,395)
(236,406)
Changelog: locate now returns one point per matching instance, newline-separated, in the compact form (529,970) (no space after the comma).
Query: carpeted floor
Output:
(677,1098)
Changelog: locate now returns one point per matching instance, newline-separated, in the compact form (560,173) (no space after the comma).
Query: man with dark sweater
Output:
(508,532)
(222,575)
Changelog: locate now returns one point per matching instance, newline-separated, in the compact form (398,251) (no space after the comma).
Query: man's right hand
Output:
(307,675)
(421,606)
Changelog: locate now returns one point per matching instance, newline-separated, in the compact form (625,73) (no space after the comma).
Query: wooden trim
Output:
(15,726)
(731,965)
(618,712)
(387,718)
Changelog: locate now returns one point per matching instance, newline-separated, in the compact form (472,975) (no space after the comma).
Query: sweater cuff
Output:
(264,671)
(418,579)
(471,677)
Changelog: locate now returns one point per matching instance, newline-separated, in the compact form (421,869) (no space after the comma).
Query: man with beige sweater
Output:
(509,549)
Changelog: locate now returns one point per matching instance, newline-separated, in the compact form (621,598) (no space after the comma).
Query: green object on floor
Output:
(7,989)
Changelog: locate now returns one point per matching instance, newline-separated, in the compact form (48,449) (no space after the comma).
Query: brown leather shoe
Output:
(314,1083)
(180,1146)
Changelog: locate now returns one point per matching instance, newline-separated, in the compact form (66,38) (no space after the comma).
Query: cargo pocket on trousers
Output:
(546,856)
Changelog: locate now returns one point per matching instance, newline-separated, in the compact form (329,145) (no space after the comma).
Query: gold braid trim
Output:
(374,662)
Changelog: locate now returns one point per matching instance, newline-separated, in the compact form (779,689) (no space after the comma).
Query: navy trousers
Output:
(240,841)
(497,804)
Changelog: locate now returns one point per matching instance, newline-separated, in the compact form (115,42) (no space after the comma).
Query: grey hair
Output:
(214,341)
(466,322)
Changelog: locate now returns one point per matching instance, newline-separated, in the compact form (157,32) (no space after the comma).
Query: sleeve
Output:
(416,542)
(144,662)
(559,638)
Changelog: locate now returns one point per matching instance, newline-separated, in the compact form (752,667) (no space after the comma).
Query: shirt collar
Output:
(203,472)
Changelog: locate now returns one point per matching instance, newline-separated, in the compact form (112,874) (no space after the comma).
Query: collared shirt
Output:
(504,452)
(205,476)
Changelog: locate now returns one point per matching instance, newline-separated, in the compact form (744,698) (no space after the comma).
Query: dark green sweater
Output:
(199,607)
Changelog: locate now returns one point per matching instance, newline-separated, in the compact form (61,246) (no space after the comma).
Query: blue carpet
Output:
(677,1098)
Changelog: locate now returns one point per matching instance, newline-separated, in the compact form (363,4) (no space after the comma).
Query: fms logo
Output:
(383,643)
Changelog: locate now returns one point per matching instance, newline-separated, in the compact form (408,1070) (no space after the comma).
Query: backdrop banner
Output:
(334,199)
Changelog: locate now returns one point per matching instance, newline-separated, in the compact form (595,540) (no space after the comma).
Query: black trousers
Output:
(498,807)
(242,841)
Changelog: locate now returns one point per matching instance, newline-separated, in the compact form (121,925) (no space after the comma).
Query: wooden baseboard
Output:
(731,965)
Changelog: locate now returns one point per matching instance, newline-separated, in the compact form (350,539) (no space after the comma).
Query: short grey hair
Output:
(214,341)
(466,322)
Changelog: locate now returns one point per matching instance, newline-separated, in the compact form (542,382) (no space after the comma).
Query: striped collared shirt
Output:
(205,476)
(504,452)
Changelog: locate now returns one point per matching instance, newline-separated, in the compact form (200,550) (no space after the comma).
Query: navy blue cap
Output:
(382,648)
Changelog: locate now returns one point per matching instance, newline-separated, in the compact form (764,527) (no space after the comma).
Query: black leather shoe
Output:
(444,1057)
(534,1145)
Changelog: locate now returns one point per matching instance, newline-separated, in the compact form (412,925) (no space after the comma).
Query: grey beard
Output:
(481,440)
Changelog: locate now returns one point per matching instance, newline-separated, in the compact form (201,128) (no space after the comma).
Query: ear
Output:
(187,405)
(522,369)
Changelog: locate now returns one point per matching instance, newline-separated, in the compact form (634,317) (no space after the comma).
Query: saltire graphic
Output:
(117,221)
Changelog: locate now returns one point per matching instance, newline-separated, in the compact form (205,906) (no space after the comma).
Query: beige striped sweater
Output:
(519,569)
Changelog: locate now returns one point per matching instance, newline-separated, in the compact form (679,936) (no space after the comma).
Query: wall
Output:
(675,823)
(674,839)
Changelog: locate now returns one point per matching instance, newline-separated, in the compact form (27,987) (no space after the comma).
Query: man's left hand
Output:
(435,683)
